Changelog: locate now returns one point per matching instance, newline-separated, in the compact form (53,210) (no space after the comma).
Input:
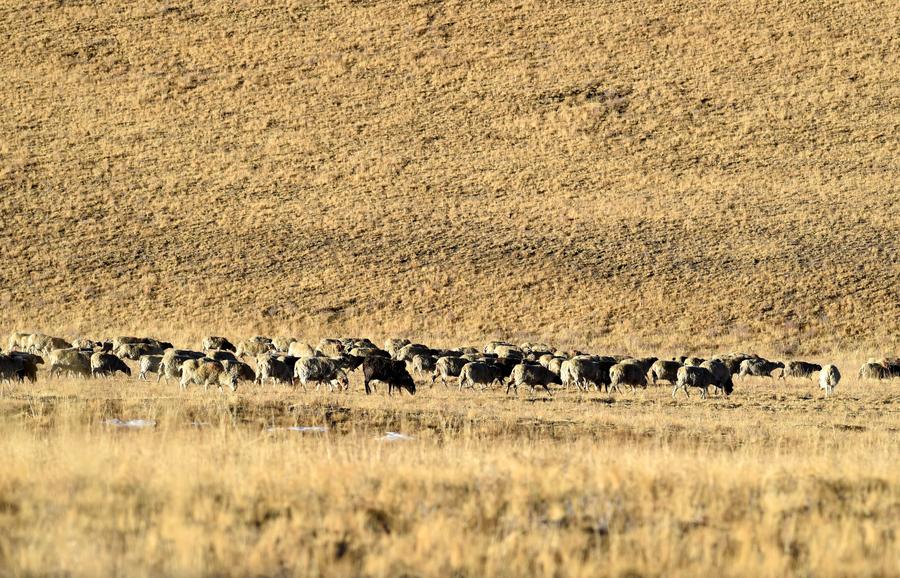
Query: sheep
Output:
(11,369)
(155,344)
(171,362)
(505,366)
(239,369)
(510,351)
(410,350)
(891,364)
(447,367)
(873,370)
(539,348)
(72,361)
(349,343)
(31,358)
(134,351)
(40,343)
(330,347)
(480,373)
(83,343)
(122,340)
(390,371)
(893,367)
(298,349)
(320,370)
(721,375)
(829,377)
(207,372)
(468,350)
(253,347)
(492,346)
(216,342)
(221,355)
(583,371)
(394,345)
(278,368)
(759,367)
(664,370)
(148,364)
(367,351)
(25,364)
(348,362)
(282,343)
(17,341)
(690,376)
(800,369)
(555,365)
(733,361)
(421,364)
(17,367)
(532,376)
(645,363)
(625,373)
(107,364)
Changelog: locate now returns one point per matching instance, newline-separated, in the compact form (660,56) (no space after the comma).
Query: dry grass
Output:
(663,177)
(773,481)
(717,173)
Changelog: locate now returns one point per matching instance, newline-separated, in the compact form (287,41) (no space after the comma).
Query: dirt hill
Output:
(634,173)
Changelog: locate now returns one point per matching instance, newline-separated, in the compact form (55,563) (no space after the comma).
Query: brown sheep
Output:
(629,374)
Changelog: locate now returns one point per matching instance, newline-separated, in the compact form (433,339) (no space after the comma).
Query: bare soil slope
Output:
(580,170)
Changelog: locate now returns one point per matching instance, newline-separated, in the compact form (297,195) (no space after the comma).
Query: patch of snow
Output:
(393,436)
(132,423)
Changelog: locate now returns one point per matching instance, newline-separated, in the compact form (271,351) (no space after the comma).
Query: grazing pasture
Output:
(654,187)
(117,476)
(712,173)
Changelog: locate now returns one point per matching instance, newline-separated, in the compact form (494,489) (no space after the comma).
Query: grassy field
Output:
(705,174)
(663,178)
(773,481)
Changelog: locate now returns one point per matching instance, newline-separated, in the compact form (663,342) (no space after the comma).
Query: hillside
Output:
(637,173)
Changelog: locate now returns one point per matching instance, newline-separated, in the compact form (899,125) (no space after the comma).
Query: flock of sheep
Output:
(219,363)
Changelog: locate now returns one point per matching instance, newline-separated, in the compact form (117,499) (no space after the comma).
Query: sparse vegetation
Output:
(772,481)
(603,173)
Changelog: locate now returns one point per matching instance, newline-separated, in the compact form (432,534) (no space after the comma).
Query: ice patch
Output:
(393,436)
(304,428)
(132,423)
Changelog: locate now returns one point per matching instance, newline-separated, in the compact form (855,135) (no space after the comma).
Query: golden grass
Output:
(643,177)
(716,173)
(772,481)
